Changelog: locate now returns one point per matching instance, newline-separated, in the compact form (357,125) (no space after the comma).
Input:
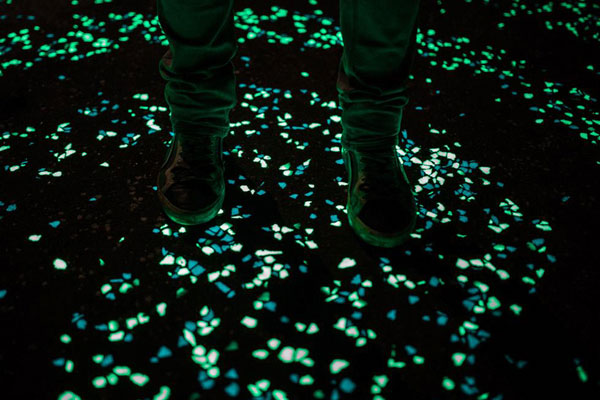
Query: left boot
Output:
(381,206)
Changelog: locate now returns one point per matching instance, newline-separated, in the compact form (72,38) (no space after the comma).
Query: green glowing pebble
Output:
(418,360)
(208,250)
(167,260)
(122,370)
(462,264)
(458,358)
(98,358)
(69,366)
(347,263)
(279,394)
(65,338)
(543,225)
(539,272)
(318,394)
(503,274)
(68,395)
(493,303)
(213,356)
(35,238)
(306,380)
(582,374)
(312,328)
(199,350)
(249,322)
(116,336)
(263,384)
(360,342)
(261,354)
(112,378)
(447,383)
(254,391)
(359,303)
(163,394)
(286,354)
(105,288)
(516,308)
(300,326)
(131,323)
(273,343)
(309,362)
(125,287)
(481,286)
(395,364)
(471,326)
(189,337)
(214,276)
(352,331)
(139,379)
(113,325)
(213,372)
(161,308)
(312,244)
(99,382)
(528,280)
(60,264)
(337,365)
(141,96)
(381,380)
(300,354)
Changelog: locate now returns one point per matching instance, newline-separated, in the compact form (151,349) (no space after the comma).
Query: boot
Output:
(381,206)
(191,186)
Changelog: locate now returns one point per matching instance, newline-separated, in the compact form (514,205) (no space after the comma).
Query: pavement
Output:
(493,297)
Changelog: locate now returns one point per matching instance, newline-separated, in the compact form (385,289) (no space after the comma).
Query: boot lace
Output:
(381,177)
(197,162)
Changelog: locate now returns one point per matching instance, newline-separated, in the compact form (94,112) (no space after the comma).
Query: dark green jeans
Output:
(379,44)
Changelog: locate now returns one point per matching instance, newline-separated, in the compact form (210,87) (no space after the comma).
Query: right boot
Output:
(190,182)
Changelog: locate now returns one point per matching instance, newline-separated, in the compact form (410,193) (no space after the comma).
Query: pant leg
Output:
(198,69)
(379,45)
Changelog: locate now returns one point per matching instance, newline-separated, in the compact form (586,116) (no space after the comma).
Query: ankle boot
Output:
(191,186)
(381,206)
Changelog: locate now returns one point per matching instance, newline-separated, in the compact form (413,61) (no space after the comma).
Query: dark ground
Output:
(548,169)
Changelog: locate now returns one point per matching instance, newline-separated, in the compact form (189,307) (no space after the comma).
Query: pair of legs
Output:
(379,44)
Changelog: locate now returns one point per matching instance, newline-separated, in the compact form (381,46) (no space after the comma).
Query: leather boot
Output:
(191,186)
(381,206)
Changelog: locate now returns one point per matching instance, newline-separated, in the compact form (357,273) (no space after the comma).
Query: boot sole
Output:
(374,237)
(186,217)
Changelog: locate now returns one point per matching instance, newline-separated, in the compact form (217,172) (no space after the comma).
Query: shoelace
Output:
(198,161)
(381,177)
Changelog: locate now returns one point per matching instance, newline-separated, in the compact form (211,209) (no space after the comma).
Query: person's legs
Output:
(198,67)
(200,92)
(379,44)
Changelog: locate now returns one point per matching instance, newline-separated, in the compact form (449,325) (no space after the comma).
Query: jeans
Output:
(379,38)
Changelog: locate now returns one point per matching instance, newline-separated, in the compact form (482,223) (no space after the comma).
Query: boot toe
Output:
(198,196)
(387,216)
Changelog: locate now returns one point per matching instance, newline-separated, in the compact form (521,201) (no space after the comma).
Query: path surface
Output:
(494,297)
